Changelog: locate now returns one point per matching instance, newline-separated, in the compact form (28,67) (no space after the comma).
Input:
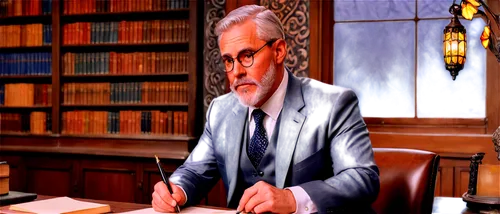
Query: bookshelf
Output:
(104,58)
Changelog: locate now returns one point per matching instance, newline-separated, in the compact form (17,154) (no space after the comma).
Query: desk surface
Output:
(116,207)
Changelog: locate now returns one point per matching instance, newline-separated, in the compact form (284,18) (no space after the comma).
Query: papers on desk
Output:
(185,210)
(63,205)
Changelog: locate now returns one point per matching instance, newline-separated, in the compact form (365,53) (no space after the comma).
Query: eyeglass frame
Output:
(251,54)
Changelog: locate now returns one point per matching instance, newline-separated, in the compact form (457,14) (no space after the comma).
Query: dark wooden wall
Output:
(99,177)
(83,176)
(95,168)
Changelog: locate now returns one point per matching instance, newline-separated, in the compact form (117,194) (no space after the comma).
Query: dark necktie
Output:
(258,142)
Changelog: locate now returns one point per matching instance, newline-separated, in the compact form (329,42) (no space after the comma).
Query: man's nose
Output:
(238,69)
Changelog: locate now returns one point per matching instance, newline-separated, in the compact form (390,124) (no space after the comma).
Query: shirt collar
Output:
(272,107)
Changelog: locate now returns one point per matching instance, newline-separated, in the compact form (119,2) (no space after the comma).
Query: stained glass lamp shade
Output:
(454,44)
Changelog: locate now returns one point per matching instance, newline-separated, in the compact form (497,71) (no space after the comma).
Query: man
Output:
(280,143)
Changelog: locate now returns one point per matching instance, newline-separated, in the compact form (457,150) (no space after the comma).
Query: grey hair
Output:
(267,23)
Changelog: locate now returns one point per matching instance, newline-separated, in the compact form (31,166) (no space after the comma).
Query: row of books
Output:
(25,94)
(123,93)
(25,64)
(103,6)
(125,63)
(40,122)
(125,122)
(34,122)
(126,32)
(29,35)
(25,7)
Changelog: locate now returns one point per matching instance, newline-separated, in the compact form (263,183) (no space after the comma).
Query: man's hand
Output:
(163,201)
(263,197)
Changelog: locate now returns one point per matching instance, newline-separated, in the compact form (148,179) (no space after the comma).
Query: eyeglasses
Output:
(245,57)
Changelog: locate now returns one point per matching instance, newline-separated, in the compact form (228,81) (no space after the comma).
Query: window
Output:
(390,53)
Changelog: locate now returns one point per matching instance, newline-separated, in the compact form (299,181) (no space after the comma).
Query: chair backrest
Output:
(407,180)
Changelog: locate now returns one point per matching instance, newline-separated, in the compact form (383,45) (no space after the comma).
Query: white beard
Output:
(246,98)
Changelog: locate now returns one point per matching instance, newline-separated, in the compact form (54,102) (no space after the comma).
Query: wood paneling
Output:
(14,184)
(461,181)
(493,83)
(139,177)
(56,54)
(438,191)
(489,183)
(115,185)
(49,175)
(177,147)
(152,178)
(427,125)
(457,145)
(17,174)
(45,181)
(446,182)
(418,129)
(109,180)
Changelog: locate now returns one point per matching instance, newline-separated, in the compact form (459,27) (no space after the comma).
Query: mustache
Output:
(239,82)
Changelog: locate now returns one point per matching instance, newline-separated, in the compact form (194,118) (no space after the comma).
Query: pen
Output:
(165,180)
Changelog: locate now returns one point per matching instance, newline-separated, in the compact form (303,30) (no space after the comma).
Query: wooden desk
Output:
(116,207)
(462,209)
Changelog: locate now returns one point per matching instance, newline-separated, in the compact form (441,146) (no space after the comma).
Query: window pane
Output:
(434,8)
(437,94)
(348,10)
(377,61)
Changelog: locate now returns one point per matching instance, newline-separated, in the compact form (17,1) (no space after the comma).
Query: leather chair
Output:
(407,180)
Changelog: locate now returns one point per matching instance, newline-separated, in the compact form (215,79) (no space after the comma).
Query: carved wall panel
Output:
(294,15)
(213,74)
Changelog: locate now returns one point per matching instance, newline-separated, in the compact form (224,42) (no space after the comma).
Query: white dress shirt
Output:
(272,108)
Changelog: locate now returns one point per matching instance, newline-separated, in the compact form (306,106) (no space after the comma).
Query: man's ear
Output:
(280,51)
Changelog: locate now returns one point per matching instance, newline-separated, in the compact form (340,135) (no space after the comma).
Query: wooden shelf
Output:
(11,20)
(24,77)
(179,77)
(37,79)
(132,16)
(132,137)
(127,106)
(44,48)
(25,107)
(175,148)
(149,47)
(123,75)
(25,134)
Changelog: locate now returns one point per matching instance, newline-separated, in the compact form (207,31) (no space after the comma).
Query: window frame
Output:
(321,68)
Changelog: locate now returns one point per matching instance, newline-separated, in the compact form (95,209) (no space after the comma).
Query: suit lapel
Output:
(290,126)
(234,141)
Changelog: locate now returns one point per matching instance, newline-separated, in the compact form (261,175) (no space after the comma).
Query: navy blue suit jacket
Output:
(323,146)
